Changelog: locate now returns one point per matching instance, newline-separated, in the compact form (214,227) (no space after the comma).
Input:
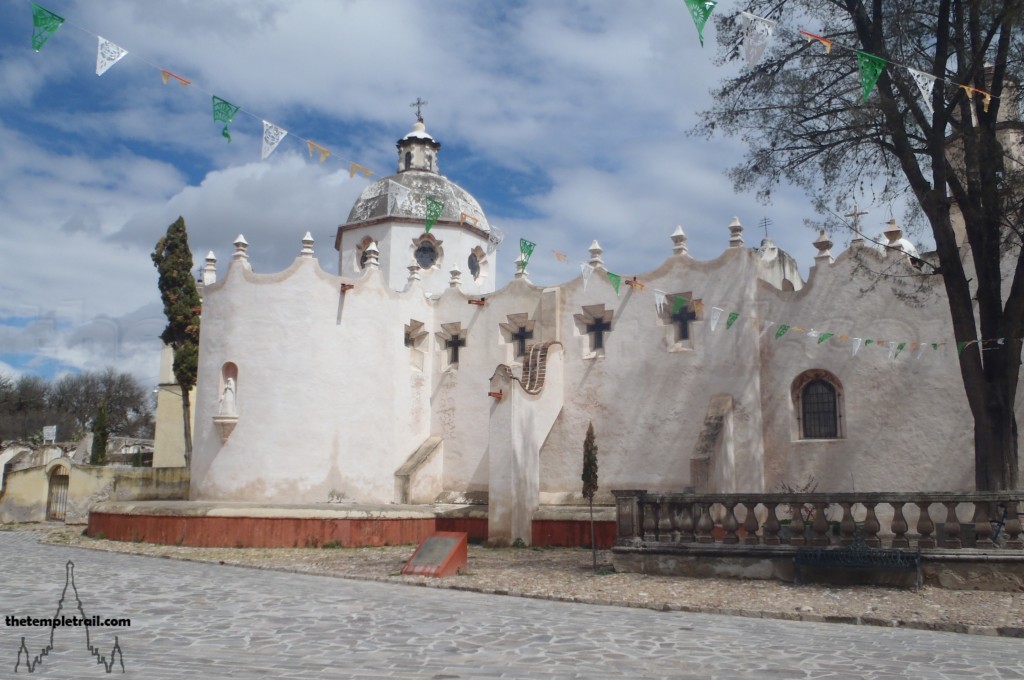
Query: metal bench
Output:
(857,555)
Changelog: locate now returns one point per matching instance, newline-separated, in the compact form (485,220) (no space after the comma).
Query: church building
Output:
(408,378)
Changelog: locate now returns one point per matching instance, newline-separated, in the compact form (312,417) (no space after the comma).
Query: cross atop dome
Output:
(418,150)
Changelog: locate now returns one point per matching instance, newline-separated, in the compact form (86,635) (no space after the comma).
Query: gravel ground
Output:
(566,574)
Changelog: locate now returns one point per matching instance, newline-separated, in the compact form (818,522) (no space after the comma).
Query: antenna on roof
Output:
(764,224)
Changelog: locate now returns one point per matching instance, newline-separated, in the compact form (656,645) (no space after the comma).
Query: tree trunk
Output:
(996,462)
(593,542)
(186,411)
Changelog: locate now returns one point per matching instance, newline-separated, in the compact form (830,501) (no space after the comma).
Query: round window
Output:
(426,255)
(474,265)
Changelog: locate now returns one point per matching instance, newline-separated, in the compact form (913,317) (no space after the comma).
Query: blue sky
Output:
(566,119)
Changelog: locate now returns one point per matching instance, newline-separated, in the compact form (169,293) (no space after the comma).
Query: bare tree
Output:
(806,119)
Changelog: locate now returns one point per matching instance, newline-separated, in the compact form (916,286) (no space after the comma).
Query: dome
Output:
(405,195)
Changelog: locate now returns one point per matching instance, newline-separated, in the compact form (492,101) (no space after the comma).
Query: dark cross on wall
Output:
(683,317)
(454,344)
(520,337)
(598,329)
(418,104)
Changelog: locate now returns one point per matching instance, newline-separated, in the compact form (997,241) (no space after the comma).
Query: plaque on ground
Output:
(444,553)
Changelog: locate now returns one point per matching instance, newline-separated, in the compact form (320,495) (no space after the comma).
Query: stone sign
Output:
(443,554)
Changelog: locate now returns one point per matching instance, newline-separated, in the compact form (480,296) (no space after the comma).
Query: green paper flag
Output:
(899,348)
(224,112)
(616,281)
(44,24)
(678,303)
(960,346)
(870,68)
(824,336)
(434,208)
(783,329)
(731,320)
(526,248)
(700,10)
(935,346)
(868,342)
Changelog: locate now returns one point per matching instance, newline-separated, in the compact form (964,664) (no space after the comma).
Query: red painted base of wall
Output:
(282,532)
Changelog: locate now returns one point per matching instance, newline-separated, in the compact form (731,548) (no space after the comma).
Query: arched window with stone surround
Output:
(818,404)
(408,159)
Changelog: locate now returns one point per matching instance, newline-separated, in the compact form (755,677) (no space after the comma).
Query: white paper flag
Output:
(659,301)
(397,195)
(716,314)
(892,350)
(586,270)
(494,239)
(926,83)
(767,325)
(272,136)
(756,34)
(920,351)
(107,54)
(856,345)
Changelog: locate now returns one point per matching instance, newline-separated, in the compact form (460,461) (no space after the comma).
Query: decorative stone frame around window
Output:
(427,252)
(592,325)
(360,256)
(451,339)
(414,337)
(681,327)
(818,406)
(517,332)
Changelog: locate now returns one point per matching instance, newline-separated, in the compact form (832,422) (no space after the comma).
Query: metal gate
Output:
(57,501)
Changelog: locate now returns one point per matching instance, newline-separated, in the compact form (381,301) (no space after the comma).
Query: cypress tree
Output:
(590,482)
(173,260)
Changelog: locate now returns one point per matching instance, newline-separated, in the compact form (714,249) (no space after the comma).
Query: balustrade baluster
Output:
(730,524)
(704,523)
(925,526)
(1012,527)
(664,522)
(686,524)
(797,524)
(750,524)
(871,526)
(771,526)
(820,525)
(675,512)
(952,527)
(649,522)
(983,524)
(899,527)
(847,527)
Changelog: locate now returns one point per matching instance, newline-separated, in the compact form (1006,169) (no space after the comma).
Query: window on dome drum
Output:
(474,265)
(362,259)
(426,255)
(408,159)
(819,410)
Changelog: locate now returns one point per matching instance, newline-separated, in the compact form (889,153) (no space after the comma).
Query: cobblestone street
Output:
(192,619)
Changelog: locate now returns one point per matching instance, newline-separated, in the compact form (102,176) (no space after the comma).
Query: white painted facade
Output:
(345,386)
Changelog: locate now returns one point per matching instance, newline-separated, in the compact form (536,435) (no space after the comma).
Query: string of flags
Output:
(45,23)
(757,31)
(679,301)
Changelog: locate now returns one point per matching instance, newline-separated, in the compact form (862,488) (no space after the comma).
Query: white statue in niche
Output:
(227,399)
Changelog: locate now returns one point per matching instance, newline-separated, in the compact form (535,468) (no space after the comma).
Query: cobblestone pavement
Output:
(192,619)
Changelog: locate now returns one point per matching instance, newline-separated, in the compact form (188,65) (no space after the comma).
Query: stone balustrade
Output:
(898,520)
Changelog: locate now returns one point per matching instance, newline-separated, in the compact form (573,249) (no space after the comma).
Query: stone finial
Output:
(307,246)
(210,269)
(372,257)
(735,233)
(241,254)
(414,272)
(679,241)
(824,246)
(456,275)
(520,266)
(595,254)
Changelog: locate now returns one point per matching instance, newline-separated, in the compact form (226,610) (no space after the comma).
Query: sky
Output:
(568,120)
